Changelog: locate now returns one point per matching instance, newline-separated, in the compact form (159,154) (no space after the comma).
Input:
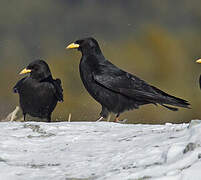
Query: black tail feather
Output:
(171,100)
(170,108)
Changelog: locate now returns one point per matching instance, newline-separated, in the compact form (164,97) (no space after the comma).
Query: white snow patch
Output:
(99,150)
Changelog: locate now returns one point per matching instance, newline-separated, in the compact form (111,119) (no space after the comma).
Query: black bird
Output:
(39,92)
(199,61)
(115,89)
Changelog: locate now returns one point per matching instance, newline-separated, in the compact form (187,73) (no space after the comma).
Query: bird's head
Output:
(38,70)
(87,46)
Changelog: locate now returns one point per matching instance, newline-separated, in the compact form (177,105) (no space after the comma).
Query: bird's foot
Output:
(99,119)
(120,121)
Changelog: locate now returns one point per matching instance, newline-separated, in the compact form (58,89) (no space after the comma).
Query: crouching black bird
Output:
(39,92)
(115,89)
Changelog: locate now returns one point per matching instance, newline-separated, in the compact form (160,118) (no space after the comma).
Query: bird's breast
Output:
(32,93)
(100,93)
(86,77)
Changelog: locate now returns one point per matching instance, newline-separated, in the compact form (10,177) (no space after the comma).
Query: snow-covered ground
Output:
(99,150)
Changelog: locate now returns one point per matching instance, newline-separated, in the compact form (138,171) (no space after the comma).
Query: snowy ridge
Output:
(99,150)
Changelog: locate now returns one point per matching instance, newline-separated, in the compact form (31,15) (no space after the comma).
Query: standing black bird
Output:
(39,92)
(115,89)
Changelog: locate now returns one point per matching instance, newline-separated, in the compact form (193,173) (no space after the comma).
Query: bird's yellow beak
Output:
(72,46)
(198,61)
(25,71)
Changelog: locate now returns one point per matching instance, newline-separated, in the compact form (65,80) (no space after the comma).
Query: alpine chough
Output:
(38,92)
(115,89)
(199,61)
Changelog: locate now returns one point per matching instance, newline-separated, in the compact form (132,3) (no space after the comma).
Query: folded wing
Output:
(131,86)
(17,86)
(58,89)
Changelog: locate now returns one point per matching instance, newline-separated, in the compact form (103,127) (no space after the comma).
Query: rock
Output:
(194,123)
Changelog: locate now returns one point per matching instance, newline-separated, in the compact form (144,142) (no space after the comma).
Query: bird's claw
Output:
(99,119)
(121,121)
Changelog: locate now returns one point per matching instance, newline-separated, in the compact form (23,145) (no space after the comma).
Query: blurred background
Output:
(156,40)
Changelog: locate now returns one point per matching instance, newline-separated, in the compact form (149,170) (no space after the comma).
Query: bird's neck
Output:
(91,55)
(43,79)
(49,78)
(91,52)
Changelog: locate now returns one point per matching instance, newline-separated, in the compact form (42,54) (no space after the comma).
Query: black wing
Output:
(58,89)
(17,86)
(122,82)
(119,81)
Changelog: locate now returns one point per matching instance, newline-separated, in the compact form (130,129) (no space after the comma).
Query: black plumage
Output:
(115,89)
(199,61)
(200,81)
(38,92)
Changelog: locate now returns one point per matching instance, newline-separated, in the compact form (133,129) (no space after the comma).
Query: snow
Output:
(99,150)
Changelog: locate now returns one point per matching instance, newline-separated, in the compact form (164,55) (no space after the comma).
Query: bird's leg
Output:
(24,114)
(104,114)
(49,118)
(117,118)
(99,119)
(119,121)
